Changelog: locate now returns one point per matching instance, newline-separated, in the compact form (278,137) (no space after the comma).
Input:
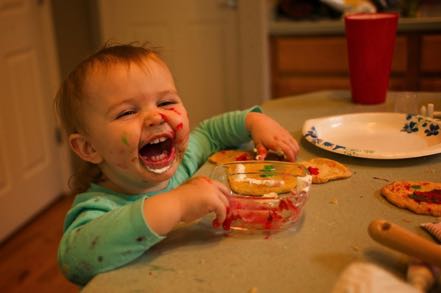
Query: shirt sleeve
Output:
(224,131)
(102,234)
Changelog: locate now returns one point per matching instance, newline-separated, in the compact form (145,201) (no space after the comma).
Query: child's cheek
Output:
(127,152)
(182,130)
(180,125)
(126,143)
(174,118)
(178,112)
(182,138)
(124,139)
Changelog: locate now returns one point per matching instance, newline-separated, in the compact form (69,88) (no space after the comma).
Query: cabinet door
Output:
(311,55)
(305,64)
(430,63)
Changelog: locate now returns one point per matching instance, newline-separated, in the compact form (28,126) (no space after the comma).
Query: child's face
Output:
(137,125)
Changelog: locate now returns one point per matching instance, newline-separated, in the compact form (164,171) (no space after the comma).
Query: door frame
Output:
(63,154)
(254,51)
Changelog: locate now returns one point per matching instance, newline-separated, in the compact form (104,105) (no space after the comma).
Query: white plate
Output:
(375,135)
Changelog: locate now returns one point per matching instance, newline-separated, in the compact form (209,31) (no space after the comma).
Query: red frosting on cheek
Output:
(179,126)
(165,118)
(176,111)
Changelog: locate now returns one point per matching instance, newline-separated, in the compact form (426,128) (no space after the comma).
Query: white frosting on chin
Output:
(160,170)
(163,169)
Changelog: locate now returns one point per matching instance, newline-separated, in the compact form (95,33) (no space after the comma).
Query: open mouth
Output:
(158,154)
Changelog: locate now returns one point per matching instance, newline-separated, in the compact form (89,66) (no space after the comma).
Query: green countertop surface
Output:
(308,257)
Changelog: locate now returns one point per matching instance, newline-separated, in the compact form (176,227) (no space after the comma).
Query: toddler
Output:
(125,119)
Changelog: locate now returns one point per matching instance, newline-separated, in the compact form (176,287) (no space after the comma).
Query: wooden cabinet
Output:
(430,62)
(301,64)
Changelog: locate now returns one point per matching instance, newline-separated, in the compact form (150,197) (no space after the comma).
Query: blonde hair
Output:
(71,94)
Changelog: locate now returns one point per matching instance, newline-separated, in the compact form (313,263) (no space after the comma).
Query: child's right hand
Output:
(200,196)
(188,202)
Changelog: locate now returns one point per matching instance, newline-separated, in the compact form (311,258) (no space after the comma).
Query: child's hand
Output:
(188,202)
(268,134)
(200,196)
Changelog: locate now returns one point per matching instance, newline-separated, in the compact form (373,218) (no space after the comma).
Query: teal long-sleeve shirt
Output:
(105,230)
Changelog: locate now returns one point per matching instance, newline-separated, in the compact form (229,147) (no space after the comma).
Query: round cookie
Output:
(324,170)
(228,156)
(262,178)
(421,197)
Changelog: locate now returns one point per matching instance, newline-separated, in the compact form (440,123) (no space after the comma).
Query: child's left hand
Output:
(267,134)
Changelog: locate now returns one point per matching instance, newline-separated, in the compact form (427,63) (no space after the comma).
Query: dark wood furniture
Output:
(304,63)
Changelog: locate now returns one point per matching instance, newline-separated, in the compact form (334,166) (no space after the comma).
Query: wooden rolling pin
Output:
(402,240)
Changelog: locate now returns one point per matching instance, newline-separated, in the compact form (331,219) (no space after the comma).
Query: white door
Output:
(201,42)
(32,165)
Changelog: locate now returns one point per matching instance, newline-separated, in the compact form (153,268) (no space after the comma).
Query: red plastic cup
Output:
(371,42)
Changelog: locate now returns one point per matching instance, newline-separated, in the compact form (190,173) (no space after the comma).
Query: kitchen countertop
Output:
(308,257)
(336,27)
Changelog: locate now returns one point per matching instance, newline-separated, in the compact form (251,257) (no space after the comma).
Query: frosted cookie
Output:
(421,197)
(228,156)
(324,170)
(263,179)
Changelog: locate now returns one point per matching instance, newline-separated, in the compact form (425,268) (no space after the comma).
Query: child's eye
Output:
(125,113)
(166,103)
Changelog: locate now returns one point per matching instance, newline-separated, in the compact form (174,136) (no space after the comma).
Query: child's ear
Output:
(84,149)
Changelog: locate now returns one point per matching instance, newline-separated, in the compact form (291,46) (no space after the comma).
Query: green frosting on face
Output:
(124,139)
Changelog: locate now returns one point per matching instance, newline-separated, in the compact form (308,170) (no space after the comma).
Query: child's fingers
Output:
(223,194)
(221,212)
(287,145)
(293,142)
(220,209)
(290,149)
(261,151)
(222,187)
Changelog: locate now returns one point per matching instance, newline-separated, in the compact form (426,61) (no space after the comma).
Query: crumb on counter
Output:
(333,201)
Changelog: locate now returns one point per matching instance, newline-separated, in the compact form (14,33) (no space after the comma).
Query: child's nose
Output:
(154,118)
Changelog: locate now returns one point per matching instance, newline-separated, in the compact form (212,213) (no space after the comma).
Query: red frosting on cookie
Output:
(313,171)
(433,196)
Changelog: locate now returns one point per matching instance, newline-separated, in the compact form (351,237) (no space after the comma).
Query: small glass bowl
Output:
(265,195)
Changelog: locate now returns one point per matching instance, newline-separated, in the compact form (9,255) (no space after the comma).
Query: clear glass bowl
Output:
(265,195)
